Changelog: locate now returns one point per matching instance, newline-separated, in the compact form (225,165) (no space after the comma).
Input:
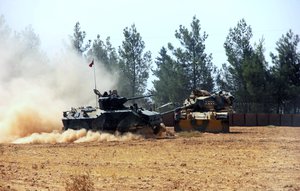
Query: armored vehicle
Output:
(112,115)
(204,111)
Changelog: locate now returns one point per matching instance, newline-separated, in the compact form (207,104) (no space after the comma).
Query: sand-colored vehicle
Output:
(205,112)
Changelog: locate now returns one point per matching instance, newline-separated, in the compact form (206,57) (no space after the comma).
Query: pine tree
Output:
(191,55)
(286,73)
(247,72)
(134,63)
(255,74)
(170,85)
(78,40)
(105,53)
(239,51)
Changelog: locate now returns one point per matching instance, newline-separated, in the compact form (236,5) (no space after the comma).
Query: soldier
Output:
(105,94)
(115,93)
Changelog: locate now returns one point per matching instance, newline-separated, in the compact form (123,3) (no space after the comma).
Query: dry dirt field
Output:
(248,158)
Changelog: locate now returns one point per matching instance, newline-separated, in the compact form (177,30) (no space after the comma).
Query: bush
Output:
(80,183)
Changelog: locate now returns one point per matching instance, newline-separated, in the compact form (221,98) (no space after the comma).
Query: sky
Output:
(155,20)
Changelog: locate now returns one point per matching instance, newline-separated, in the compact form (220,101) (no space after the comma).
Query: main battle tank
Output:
(203,111)
(112,115)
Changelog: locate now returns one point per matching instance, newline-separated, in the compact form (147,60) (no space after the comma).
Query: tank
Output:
(204,111)
(112,115)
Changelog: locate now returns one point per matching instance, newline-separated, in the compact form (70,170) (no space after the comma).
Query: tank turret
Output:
(203,101)
(115,102)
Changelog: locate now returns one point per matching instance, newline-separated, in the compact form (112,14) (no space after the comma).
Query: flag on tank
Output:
(92,63)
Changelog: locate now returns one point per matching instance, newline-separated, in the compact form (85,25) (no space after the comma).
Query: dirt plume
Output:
(36,89)
(74,136)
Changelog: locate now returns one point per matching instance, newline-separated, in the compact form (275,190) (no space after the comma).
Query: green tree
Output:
(78,40)
(104,52)
(247,73)
(286,73)
(256,75)
(239,52)
(170,80)
(134,63)
(191,55)
(223,78)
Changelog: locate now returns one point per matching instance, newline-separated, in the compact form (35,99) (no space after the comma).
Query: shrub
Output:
(80,183)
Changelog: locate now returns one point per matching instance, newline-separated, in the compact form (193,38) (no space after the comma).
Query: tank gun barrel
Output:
(165,105)
(139,97)
(190,106)
(175,109)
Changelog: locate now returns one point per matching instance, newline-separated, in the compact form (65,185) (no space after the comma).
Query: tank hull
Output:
(211,126)
(111,121)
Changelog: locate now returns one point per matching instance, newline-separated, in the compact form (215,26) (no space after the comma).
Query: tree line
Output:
(256,85)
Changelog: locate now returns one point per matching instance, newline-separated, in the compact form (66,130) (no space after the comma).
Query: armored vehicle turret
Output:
(112,115)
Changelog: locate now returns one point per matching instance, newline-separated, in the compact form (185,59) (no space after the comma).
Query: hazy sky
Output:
(156,20)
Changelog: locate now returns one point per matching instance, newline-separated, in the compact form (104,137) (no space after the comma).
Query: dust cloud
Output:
(74,136)
(36,89)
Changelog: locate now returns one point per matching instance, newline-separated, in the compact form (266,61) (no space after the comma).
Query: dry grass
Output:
(81,182)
